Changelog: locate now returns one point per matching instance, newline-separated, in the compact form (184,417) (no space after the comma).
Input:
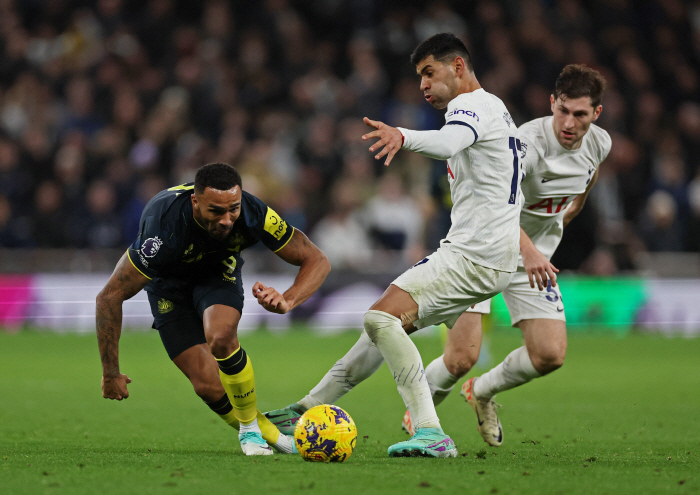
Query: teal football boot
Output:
(285,419)
(426,442)
(252,443)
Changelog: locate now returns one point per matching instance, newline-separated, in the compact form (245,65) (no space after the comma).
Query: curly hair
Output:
(219,176)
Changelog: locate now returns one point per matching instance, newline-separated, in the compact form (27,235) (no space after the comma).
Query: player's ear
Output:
(596,112)
(552,100)
(194,200)
(459,65)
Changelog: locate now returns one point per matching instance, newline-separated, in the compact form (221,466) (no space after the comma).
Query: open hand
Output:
(389,137)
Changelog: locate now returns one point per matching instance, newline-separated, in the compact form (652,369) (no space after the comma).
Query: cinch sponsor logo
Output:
(468,113)
(244,395)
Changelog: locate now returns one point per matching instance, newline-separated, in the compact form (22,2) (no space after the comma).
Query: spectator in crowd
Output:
(49,219)
(340,234)
(394,220)
(121,95)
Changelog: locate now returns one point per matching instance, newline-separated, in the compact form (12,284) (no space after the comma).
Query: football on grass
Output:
(325,434)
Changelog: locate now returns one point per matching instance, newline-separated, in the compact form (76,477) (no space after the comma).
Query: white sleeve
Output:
(440,145)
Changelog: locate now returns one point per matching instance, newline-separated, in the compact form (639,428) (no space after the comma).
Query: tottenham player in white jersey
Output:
(561,154)
(474,262)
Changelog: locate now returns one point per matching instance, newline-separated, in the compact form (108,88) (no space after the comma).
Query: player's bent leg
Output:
(201,368)
(461,353)
(359,363)
(384,324)
(546,343)
(236,375)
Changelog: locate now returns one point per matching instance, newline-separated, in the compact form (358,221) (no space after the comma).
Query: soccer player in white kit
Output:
(474,262)
(561,154)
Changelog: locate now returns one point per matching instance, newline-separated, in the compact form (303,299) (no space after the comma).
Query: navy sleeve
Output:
(153,251)
(268,226)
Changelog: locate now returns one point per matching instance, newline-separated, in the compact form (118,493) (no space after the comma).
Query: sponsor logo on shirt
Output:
(468,113)
(274,225)
(151,246)
(230,264)
(144,261)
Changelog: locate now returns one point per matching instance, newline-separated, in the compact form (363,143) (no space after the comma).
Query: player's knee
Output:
(548,360)
(222,343)
(376,321)
(461,365)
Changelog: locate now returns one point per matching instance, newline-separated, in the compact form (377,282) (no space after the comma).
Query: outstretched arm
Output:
(313,269)
(440,145)
(124,283)
(577,204)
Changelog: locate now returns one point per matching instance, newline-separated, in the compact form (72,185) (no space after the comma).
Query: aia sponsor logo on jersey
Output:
(467,113)
(549,205)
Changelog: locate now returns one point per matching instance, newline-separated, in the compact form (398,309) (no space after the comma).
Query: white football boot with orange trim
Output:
(485,409)
(407,424)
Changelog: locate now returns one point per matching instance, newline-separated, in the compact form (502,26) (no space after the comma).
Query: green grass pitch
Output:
(621,416)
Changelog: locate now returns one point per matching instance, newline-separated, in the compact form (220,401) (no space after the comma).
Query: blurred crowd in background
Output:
(104,103)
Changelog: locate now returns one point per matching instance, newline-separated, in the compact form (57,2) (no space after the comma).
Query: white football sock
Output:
(284,444)
(252,426)
(440,381)
(405,363)
(515,370)
(360,362)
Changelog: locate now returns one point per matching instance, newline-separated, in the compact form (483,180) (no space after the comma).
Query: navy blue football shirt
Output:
(176,253)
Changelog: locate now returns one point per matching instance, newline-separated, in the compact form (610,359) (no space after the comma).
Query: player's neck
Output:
(197,217)
(469,84)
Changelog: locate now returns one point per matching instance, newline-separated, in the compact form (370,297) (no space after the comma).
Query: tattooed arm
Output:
(313,269)
(124,283)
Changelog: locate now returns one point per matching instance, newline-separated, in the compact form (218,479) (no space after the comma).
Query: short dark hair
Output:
(578,81)
(442,46)
(219,176)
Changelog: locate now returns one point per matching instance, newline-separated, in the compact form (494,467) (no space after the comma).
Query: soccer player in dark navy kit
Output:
(188,258)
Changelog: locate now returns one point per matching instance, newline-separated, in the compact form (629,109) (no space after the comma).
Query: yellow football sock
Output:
(236,374)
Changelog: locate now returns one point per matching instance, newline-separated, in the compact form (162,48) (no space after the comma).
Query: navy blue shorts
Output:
(180,324)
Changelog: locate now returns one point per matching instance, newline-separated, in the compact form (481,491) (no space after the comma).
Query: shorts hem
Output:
(538,316)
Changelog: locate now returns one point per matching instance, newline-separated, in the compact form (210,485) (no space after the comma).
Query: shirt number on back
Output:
(514,145)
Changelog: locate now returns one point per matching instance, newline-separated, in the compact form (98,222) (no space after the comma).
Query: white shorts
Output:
(526,303)
(446,283)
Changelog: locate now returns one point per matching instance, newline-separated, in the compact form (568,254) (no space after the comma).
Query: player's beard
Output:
(220,235)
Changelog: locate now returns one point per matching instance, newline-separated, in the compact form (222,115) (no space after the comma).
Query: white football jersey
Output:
(485,183)
(554,176)
(483,166)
